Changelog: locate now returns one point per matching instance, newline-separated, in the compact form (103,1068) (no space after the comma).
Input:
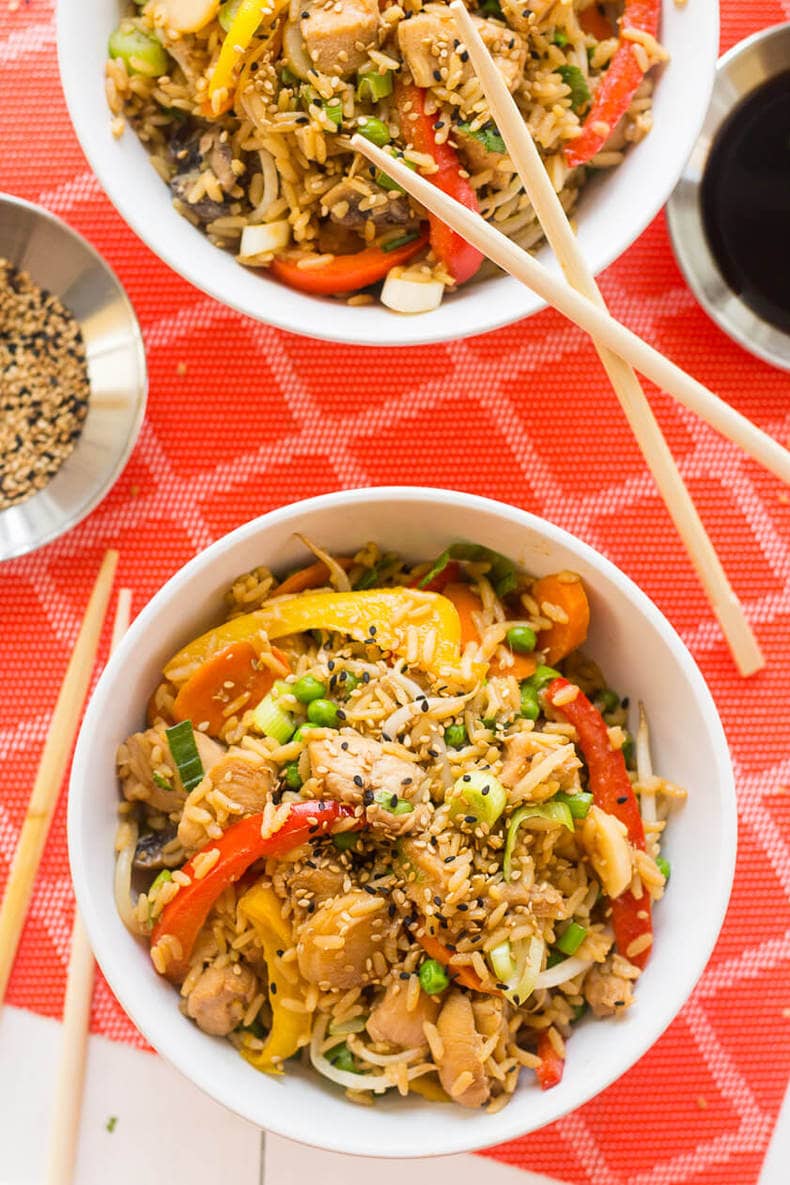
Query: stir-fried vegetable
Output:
(271,718)
(564,593)
(571,938)
(489,136)
(539,817)
(366,615)
(181,742)
(344,273)
(289,1030)
(617,86)
(307,689)
(241,845)
(517,966)
(313,576)
(578,804)
(248,17)
(140,53)
(613,793)
(324,713)
(577,84)
(479,797)
(225,677)
(433,977)
(464,975)
(549,1072)
(392,803)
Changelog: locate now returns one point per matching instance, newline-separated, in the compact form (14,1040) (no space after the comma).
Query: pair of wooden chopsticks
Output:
(621,351)
(27,858)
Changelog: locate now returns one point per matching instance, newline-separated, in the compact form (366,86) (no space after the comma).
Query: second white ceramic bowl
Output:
(642,657)
(616,206)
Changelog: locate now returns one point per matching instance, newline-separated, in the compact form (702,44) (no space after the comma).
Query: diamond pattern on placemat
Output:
(243,418)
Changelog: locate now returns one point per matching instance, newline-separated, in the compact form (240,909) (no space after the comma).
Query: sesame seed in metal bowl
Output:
(73,377)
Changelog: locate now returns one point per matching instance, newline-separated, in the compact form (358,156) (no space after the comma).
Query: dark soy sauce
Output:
(746,201)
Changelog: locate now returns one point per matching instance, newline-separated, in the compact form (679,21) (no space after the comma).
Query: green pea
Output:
(140,53)
(302,731)
(433,977)
(323,712)
(307,689)
(455,736)
(629,751)
(608,699)
(375,130)
(521,639)
(529,701)
(542,676)
(291,776)
(345,840)
(342,1057)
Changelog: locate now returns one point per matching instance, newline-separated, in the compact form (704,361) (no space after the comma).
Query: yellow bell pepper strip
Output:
(390,617)
(246,22)
(242,844)
(290,1030)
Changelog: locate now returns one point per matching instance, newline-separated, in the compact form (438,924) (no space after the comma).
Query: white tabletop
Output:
(161,1125)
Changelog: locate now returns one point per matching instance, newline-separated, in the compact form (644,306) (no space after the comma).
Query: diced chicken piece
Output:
(477,158)
(343,201)
(145,754)
(461,1070)
(220,998)
(426,42)
(337,37)
(605,840)
(393,1022)
(520,750)
(317,884)
(337,943)
(606,992)
(236,786)
(352,767)
(517,14)
(427,875)
(543,899)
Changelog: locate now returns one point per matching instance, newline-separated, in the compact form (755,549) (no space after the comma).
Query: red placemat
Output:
(290,418)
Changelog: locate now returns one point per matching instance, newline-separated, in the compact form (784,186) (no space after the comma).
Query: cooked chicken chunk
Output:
(461,1070)
(519,752)
(344,202)
(317,884)
(427,875)
(237,785)
(426,42)
(478,158)
(148,772)
(393,1022)
(605,841)
(341,942)
(337,37)
(606,992)
(220,998)
(354,769)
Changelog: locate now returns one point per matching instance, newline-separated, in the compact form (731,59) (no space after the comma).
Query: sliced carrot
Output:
(594,22)
(313,576)
(467,603)
(463,975)
(219,681)
(566,591)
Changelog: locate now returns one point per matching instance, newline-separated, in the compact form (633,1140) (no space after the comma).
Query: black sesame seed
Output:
(449,859)
(366,674)
(462,906)
(279,953)
(437,77)
(470,818)
(272,987)
(359,780)
(404,975)
(622,798)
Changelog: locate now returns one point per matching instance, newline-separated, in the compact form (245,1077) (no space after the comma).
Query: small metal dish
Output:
(62,261)
(740,71)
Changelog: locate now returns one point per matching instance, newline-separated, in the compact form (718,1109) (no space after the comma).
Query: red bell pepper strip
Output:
(417,128)
(612,791)
(549,1072)
(618,85)
(344,273)
(240,846)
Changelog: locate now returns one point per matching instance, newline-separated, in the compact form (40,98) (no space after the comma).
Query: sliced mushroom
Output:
(150,856)
(344,201)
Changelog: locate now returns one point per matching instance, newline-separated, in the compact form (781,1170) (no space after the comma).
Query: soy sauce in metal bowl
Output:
(745,201)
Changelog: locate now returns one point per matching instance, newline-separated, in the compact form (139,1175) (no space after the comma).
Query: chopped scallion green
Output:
(344,840)
(272,720)
(577,84)
(571,938)
(478,795)
(374,86)
(489,136)
(538,818)
(161,781)
(392,803)
(401,241)
(578,804)
(181,742)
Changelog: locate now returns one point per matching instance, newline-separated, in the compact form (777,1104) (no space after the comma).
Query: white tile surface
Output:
(169,1132)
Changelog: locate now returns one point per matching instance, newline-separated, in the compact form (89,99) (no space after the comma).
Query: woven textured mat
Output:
(292,418)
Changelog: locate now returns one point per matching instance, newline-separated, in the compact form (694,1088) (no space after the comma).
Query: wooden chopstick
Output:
(583,312)
(552,217)
(52,767)
(77,1012)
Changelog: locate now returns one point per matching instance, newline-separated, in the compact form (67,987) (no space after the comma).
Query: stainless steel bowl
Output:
(59,259)
(740,71)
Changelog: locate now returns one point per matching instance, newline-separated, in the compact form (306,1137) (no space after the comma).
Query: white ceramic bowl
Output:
(614,211)
(641,655)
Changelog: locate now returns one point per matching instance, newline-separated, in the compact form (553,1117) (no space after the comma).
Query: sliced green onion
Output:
(607,700)
(161,782)
(140,53)
(571,938)
(537,818)
(503,572)
(489,136)
(181,742)
(578,804)
(227,13)
(502,962)
(579,1011)
(560,38)
(433,977)
(288,78)
(344,840)
(664,867)
(272,720)
(342,1057)
(517,966)
(374,86)
(478,795)
(307,689)
(291,776)
(160,879)
(436,567)
(455,736)
(334,113)
(386,182)
(401,241)
(577,84)
(374,129)
(390,802)
(555,957)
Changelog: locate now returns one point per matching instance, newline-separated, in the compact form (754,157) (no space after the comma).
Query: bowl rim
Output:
(684,212)
(510,1124)
(60,524)
(292,312)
